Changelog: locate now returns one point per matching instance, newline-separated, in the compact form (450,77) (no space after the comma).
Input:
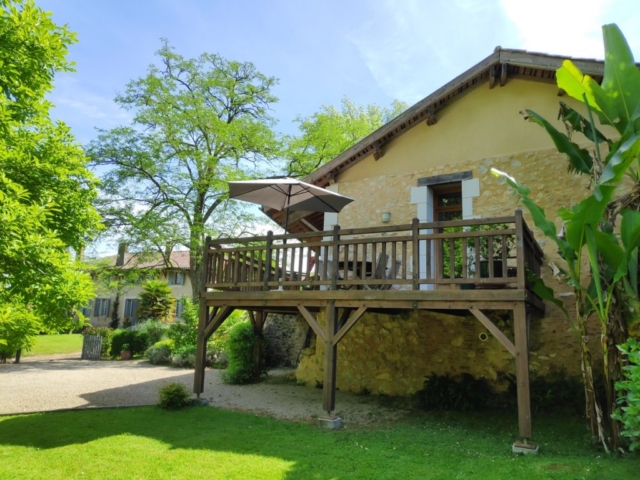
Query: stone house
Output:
(433,163)
(177,275)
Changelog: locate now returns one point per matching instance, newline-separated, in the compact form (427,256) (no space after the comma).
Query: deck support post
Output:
(522,369)
(201,348)
(330,360)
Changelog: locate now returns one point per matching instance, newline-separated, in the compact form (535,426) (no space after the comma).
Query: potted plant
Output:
(125,353)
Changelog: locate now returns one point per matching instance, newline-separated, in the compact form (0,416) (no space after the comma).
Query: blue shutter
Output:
(96,308)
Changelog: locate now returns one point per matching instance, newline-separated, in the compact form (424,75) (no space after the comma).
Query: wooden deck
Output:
(466,266)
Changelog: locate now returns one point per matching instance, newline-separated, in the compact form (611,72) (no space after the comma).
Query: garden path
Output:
(65,382)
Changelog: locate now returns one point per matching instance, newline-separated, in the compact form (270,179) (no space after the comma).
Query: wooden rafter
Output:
(313,323)
(503,74)
(349,324)
(431,117)
(222,314)
(495,331)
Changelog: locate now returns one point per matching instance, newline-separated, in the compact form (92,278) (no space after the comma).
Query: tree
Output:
(45,188)
(156,301)
(329,132)
(603,230)
(198,124)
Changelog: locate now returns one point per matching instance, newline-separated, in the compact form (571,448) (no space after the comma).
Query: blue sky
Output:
(372,51)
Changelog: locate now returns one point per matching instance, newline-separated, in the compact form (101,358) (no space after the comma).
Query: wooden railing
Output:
(479,253)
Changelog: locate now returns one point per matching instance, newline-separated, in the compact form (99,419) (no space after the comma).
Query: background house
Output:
(176,275)
(433,162)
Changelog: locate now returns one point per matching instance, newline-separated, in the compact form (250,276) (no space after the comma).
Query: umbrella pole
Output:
(284,242)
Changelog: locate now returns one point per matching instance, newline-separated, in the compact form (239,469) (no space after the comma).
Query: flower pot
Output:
(126,355)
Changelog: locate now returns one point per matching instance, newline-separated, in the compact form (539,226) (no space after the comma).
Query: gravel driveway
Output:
(52,383)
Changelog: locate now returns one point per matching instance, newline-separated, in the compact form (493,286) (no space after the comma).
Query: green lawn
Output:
(55,344)
(207,443)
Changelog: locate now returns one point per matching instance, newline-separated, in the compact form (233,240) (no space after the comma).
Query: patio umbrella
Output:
(288,194)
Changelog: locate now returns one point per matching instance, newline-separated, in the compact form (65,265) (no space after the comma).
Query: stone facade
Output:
(389,355)
(286,336)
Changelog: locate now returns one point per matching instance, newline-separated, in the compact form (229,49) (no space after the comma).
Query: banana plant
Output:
(603,230)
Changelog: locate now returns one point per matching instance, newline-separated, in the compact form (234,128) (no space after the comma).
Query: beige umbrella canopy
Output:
(288,194)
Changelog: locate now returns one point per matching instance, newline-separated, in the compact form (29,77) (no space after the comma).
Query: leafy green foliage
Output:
(156,301)
(217,344)
(555,392)
(173,396)
(197,123)
(154,329)
(184,334)
(106,334)
(329,132)
(629,393)
(464,394)
(138,342)
(160,352)
(18,325)
(45,188)
(610,289)
(240,350)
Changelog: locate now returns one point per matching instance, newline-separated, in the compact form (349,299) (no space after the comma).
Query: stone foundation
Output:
(392,355)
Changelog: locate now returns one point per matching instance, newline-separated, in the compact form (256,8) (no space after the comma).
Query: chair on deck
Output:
(381,272)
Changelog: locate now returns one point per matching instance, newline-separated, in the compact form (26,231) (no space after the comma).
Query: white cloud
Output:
(414,47)
(567,27)
(83,109)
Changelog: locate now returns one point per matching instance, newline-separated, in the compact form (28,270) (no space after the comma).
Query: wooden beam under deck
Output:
(313,300)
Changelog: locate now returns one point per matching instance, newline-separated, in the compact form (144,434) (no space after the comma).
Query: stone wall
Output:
(384,354)
(286,336)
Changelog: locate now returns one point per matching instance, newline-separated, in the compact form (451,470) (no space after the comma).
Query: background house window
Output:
(176,278)
(179,308)
(86,311)
(101,307)
(131,309)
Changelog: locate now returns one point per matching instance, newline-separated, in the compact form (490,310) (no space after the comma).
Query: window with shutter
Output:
(179,308)
(176,278)
(104,308)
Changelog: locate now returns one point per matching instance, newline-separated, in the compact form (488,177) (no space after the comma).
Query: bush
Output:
(105,332)
(184,357)
(240,344)
(173,396)
(553,392)
(160,352)
(629,394)
(156,330)
(136,339)
(183,335)
(156,300)
(466,393)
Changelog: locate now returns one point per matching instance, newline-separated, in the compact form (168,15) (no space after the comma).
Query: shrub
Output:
(629,394)
(18,327)
(173,396)
(240,346)
(156,300)
(155,329)
(160,352)
(466,393)
(136,339)
(184,357)
(105,332)
(183,335)
(553,392)
(216,346)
